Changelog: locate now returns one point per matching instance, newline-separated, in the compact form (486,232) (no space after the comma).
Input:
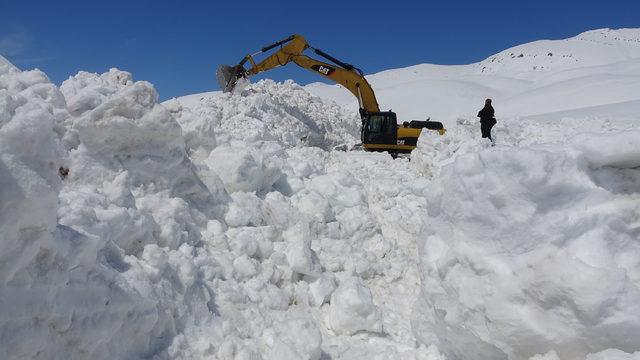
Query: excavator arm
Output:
(291,50)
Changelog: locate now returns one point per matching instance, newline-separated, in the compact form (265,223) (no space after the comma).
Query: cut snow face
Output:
(228,226)
(101,260)
(542,254)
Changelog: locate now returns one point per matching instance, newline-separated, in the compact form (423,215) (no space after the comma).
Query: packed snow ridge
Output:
(236,226)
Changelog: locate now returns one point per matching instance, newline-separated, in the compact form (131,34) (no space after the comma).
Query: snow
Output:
(236,226)
(528,261)
(599,67)
(619,150)
(352,309)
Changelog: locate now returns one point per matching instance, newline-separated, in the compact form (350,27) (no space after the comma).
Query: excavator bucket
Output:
(228,76)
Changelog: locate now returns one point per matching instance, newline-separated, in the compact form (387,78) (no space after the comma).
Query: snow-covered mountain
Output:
(595,68)
(236,226)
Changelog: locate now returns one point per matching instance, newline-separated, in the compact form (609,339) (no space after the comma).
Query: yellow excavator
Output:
(380,130)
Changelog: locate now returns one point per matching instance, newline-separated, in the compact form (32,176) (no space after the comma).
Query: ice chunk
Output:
(294,337)
(321,289)
(245,209)
(240,170)
(301,258)
(352,309)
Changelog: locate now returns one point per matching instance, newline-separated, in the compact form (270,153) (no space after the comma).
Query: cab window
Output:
(381,129)
(380,124)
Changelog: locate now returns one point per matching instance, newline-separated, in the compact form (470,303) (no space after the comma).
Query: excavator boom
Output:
(292,50)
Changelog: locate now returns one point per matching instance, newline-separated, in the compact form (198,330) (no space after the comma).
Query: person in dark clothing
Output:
(487,119)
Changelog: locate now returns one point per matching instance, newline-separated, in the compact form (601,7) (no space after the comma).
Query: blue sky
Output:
(177,45)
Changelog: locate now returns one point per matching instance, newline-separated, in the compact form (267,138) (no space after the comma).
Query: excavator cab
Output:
(379,128)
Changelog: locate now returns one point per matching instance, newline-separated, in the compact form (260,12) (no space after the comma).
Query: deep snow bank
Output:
(531,249)
(180,232)
(295,213)
(102,264)
(31,244)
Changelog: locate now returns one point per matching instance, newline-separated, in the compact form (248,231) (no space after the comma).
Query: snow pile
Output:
(298,227)
(435,151)
(541,255)
(83,272)
(152,233)
(85,91)
(278,112)
(254,127)
(242,169)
